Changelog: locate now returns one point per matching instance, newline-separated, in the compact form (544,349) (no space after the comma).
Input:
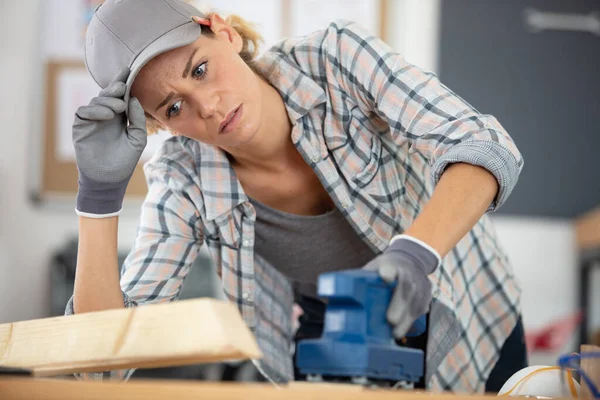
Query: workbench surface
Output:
(25,388)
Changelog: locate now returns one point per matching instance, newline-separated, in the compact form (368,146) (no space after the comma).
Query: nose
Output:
(206,102)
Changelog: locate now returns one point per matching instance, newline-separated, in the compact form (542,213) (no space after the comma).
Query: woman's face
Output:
(204,91)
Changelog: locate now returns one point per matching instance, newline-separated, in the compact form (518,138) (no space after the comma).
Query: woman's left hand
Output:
(407,262)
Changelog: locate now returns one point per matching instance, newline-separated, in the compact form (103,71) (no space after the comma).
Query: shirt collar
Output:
(221,190)
(299,91)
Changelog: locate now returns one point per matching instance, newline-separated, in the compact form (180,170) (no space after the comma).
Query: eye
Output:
(200,70)
(174,109)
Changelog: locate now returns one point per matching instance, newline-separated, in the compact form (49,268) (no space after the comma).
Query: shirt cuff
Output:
(490,155)
(70,310)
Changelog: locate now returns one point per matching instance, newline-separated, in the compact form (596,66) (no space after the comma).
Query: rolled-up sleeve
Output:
(419,109)
(167,243)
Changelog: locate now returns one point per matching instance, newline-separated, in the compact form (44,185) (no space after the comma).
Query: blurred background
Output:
(534,64)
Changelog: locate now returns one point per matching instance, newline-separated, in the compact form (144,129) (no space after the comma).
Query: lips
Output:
(228,119)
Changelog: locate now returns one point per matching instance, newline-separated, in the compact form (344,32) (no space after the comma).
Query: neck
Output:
(271,148)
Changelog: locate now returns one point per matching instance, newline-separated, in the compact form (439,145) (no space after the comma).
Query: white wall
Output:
(538,247)
(27,235)
(544,259)
(412,30)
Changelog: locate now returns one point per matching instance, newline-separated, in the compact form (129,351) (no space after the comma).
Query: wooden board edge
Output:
(15,388)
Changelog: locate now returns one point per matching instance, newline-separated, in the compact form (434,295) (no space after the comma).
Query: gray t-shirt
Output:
(302,247)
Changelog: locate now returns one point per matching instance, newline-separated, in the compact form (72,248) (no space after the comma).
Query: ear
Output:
(224,31)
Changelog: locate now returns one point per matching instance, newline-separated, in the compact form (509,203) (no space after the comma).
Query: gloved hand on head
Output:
(107,148)
(406,262)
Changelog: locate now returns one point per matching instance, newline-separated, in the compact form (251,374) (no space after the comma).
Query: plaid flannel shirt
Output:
(378,132)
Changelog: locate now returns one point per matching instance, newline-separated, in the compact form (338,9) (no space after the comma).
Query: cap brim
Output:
(178,37)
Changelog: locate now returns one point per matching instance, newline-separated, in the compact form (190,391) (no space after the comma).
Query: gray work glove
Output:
(406,262)
(107,149)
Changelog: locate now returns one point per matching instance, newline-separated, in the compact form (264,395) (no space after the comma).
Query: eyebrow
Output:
(165,101)
(188,65)
(186,71)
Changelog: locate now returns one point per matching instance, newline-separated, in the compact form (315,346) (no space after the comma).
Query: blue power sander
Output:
(357,344)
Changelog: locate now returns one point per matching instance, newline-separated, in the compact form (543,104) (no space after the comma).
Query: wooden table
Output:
(15,388)
(591,366)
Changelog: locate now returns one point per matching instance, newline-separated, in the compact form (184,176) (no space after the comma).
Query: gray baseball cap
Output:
(129,33)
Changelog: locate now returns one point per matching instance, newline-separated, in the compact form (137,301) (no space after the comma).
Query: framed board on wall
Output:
(68,86)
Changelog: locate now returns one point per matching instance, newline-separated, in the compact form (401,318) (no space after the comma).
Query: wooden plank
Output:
(587,230)
(47,389)
(591,366)
(155,335)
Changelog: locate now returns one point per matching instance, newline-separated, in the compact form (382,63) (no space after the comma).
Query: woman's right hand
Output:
(107,149)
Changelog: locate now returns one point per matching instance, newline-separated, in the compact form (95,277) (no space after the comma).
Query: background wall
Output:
(27,235)
(539,247)
(541,83)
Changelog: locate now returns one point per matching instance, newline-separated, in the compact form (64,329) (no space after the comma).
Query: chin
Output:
(242,138)
(243,135)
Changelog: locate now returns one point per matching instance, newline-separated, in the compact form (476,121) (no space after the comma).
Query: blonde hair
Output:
(251,39)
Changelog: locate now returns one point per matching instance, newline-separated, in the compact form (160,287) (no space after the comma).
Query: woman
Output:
(328,152)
